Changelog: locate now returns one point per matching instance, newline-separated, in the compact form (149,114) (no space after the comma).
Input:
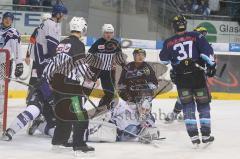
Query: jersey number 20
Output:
(181,50)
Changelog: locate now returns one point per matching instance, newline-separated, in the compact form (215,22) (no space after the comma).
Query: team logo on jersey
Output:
(63,48)
(146,71)
(101,47)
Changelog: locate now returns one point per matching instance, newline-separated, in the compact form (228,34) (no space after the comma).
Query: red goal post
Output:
(4,72)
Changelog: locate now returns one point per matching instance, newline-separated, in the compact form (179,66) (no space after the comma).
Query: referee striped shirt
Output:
(64,64)
(104,54)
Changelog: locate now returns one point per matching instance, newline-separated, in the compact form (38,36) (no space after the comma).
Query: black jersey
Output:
(103,54)
(69,61)
(138,73)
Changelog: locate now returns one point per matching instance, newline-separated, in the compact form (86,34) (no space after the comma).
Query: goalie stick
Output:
(155,145)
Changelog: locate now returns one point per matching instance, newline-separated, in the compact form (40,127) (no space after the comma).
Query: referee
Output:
(103,55)
(62,73)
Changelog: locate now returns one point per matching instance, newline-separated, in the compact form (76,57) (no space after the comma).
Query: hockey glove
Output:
(173,75)
(211,70)
(152,86)
(19,70)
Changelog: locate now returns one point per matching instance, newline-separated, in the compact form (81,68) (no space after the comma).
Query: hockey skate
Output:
(195,141)
(7,135)
(207,140)
(62,147)
(84,151)
(40,119)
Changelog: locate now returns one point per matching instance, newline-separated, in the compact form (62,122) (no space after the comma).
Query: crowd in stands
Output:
(210,7)
(44,3)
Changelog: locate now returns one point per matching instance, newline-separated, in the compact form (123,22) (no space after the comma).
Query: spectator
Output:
(186,7)
(201,7)
(22,2)
(47,3)
(34,2)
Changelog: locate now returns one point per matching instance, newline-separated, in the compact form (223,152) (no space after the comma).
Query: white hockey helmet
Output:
(78,24)
(144,107)
(107,28)
(45,16)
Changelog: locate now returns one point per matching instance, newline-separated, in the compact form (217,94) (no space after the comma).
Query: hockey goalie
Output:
(131,118)
(128,122)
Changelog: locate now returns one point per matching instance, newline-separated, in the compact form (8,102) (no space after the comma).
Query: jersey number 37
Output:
(182,51)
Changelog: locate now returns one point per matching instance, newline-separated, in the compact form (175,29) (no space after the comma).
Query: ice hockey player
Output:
(40,99)
(31,44)
(42,47)
(103,55)
(137,79)
(45,39)
(128,122)
(10,39)
(175,115)
(187,51)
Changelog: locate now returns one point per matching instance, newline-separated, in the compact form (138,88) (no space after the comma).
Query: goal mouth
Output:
(4,72)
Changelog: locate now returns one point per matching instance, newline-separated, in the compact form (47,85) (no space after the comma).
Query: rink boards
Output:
(226,87)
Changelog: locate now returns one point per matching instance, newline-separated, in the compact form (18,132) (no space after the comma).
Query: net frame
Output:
(6,71)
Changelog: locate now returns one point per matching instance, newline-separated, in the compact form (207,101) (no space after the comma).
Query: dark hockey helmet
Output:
(58,8)
(8,15)
(179,23)
(139,50)
(202,30)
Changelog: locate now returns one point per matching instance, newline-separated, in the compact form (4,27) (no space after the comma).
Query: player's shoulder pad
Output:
(13,31)
(196,34)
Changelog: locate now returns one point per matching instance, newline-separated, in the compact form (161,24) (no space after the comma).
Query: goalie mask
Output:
(144,109)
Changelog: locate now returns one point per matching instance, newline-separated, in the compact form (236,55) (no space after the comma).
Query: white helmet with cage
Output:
(78,24)
(45,16)
(107,28)
(144,108)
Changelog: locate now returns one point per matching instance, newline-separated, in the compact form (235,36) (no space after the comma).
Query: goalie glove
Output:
(152,86)
(18,70)
(211,70)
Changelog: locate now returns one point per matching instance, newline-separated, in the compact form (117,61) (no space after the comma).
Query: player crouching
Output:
(131,118)
(128,122)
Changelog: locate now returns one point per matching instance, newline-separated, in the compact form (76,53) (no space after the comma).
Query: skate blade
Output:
(83,155)
(5,138)
(196,146)
(60,149)
(206,145)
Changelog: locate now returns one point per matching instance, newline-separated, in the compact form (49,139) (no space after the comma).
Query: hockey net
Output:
(4,72)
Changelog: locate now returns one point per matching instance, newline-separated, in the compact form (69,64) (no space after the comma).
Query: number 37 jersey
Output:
(187,45)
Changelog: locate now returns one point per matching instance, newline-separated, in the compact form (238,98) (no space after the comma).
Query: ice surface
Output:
(225,122)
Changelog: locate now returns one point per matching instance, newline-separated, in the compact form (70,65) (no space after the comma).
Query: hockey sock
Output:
(30,113)
(190,119)
(205,119)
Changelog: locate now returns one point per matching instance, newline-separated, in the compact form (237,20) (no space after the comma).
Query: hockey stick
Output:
(29,85)
(135,135)
(205,69)
(161,90)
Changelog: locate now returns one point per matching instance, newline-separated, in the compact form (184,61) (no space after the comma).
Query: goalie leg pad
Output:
(102,133)
(185,96)
(202,96)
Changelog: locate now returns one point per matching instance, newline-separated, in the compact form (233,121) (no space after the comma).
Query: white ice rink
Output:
(225,128)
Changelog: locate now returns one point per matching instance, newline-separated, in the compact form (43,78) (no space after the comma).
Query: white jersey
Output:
(47,37)
(10,39)
(126,114)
